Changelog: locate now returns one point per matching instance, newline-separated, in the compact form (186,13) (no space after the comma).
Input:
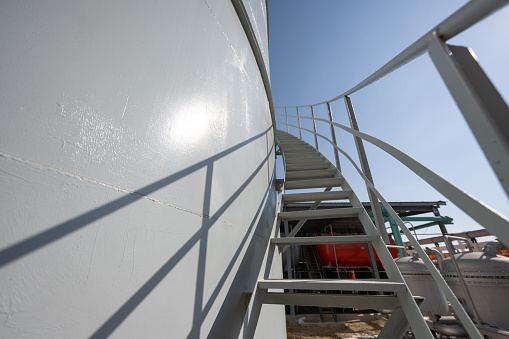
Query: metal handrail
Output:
(451,297)
(494,221)
(465,17)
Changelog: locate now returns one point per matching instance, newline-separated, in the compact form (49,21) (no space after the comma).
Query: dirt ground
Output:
(348,326)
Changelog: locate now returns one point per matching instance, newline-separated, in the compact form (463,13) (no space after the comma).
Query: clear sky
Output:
(321,48)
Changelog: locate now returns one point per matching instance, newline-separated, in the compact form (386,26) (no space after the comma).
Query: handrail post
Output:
(286,116)
(450,249)
(482,106)
(373,200)
(298,123)
(314,127)
(333,136)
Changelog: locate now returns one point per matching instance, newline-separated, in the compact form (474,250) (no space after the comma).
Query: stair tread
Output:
(321,214)
(300,155)
(346,239)
(299,150)
(333,300)
(314,183)
(374,285)
(304,167)
(316,196)
(305,160)
(315,174)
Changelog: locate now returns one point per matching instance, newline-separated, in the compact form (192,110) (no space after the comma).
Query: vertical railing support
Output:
(375,204)
(397,236)
(286,116)
(482,106)
(450,249)
(298,123)
(289,262)
(333,136)
(314,127)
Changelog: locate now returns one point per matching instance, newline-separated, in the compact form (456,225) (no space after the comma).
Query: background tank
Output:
(421,283)
(487,278)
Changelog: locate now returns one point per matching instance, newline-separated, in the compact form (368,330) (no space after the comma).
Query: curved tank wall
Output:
(136,167)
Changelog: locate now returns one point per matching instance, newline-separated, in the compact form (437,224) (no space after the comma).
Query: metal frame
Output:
(314,128)
(404,297)
(491,219)
(286,116)
(333,136)
(485,111)
(298,123)
(482,106)
(361,152)
(407,301)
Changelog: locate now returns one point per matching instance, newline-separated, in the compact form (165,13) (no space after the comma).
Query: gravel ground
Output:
(348,326)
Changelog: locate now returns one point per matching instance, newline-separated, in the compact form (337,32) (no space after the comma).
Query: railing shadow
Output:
(24,247)
(234,296)
(130,305)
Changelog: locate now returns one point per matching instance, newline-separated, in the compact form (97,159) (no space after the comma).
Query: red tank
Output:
(350,255)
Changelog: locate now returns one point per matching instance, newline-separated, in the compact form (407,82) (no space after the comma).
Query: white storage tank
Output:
(422,284)
(487,278)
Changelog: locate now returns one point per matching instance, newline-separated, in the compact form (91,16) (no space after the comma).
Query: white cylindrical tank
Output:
(487,279)
(422,284)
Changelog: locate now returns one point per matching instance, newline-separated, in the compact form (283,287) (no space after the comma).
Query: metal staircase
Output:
(306,168)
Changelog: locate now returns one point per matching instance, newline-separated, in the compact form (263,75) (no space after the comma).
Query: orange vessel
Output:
(349,255)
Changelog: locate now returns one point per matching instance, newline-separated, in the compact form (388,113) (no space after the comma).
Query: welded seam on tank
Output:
(45,167)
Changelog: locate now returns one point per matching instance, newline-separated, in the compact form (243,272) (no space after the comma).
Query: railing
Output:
(482,106)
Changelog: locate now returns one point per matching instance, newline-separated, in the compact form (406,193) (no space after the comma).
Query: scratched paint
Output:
(136,159)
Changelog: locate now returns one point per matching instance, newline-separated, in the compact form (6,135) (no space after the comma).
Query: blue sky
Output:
(319,49)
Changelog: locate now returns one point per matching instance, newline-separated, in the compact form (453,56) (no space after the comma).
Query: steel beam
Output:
(314,127)
(333,300)
(375,204)
(321,214)
(286,116)
(371,285)
(298,123)
(346,239)
(333,136)
(482,106)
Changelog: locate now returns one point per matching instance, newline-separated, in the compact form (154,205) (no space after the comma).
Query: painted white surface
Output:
(136,158)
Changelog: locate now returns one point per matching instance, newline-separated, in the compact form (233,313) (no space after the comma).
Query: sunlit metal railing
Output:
(483,108)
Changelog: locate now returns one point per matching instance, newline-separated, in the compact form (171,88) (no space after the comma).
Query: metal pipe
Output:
(493,333)
(314,127)
(469,234)
(466,240)
(463,284)
(397,236)
(452,330)
(438,255)
(448,325)
(298,123)
(286,116)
